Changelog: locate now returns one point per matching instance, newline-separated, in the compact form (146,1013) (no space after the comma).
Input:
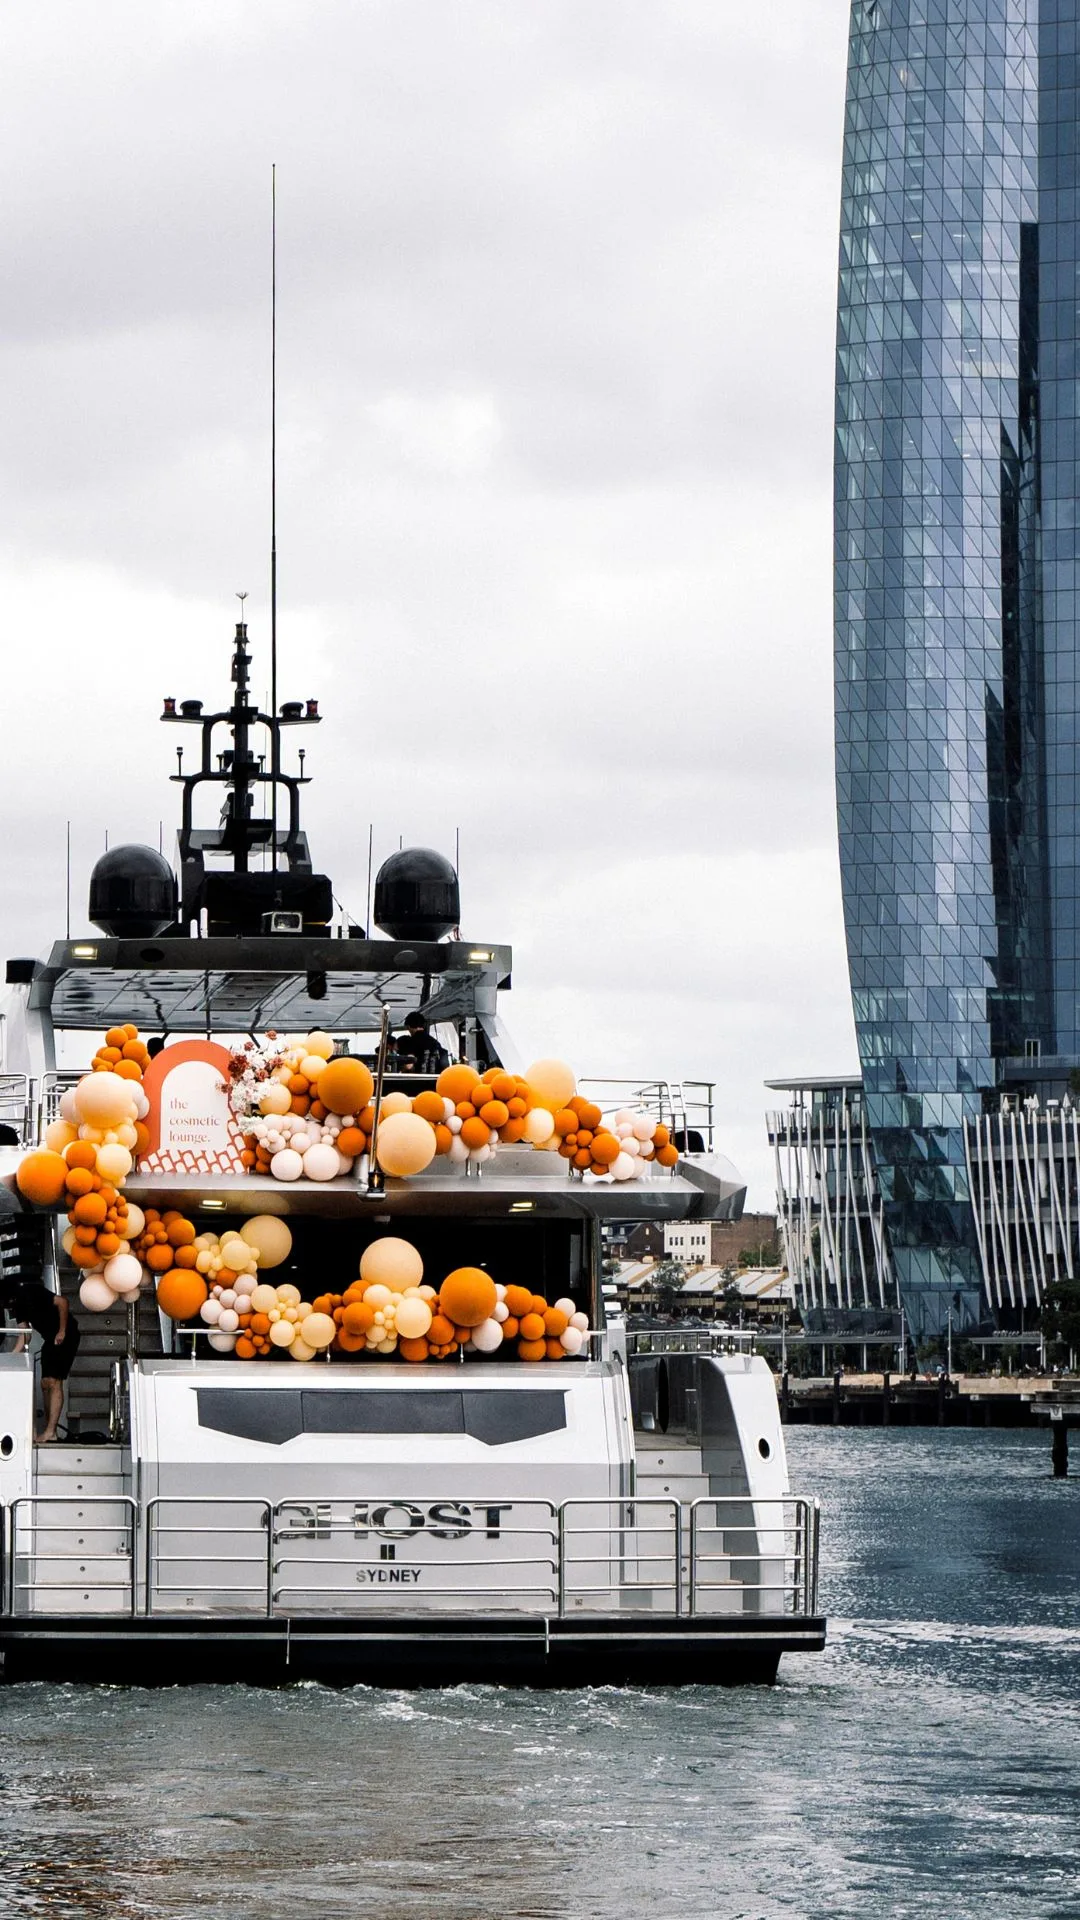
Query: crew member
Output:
(48,1314)
(417,1049)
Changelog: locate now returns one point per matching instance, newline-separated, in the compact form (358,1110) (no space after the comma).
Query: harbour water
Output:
(928,1764)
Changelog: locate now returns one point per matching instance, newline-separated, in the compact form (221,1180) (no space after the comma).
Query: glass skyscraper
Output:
(955,570)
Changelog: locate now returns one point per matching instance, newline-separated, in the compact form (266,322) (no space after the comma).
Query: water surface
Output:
(927,1764)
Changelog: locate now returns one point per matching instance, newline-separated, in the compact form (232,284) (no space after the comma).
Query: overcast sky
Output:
(556,309)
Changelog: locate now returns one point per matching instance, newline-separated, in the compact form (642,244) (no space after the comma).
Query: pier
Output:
(942,1400)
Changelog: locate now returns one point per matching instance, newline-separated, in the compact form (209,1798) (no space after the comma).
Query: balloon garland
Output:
(389,1310)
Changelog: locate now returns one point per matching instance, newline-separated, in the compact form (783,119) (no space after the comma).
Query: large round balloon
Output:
(317,1330)
(122,1273)
(345,1085)
(96,1294)
(270,1237)
(41,1177)
(413,1318)
(181,1292)
(392,1263)
(552,1083)
(539,1125)
(104,1100)
(405,1144)
(114,1163)
(467,1296)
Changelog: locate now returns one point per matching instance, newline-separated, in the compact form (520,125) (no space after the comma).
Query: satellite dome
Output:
(133,893)
(416,895)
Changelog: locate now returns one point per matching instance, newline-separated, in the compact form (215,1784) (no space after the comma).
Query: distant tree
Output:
(668,1278)
(1060,1319)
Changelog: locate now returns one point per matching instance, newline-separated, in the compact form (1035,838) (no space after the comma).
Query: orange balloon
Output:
(429,1106)
(185,1256)
(511,1328)
(555,1322)
(443,1139)
(81,1153)
(495,1113)
(414,1350)
(244,1348)
(456,1083)
(79,1180)
(565,1122)
(358,1317)
(475,1132)
(532,1349)
(555,1350)
(117,1037)
(467,1296)
(349,1342)
(513,1131)
(351,1141)
(441,1331)
(605,1148)
(532,1327)
(127,1070)
(84,1256)
(180,1293)
(667,1156)
(90,1210)
(503,1086)
(159,1259)
(42,1177)
(345,1085)
(518,1300)
(181,1233)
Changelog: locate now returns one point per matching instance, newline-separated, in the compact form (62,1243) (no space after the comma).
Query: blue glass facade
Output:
(956,579)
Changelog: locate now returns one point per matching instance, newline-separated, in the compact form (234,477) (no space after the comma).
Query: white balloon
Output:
(227,1297)
(222,1342)
(580,1321)
(455,1123)
(572,1340)
(322,1163)
(68,1110)
(487,1336)
(122,1272)
(96,1294)
(502,1312)
(286,1164)
(245,1285)
(567,1306)
(228,1320)
(457,1151)
(624,1117)
(210,1311)
(644,1128)
(625,1167)
(631,1145)
(142,1104)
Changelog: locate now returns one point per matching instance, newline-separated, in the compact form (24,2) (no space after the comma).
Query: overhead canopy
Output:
(242,986)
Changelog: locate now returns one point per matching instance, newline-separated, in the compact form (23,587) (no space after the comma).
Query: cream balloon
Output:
(104,1100)
(68,1110)
(263,1299)
(270,1237)
(96,1294)
(413,1318)
(378,1295)
(392,1263)
(282,1333)
(136,1221)
(299,1349)
(405,1144)
(318,1330)
(312,1065)
(68,1240)
(58,1135)
(321,1044)
(394,1103)
(288,1295)
(114,1163)
(539,1124)
(127,1136)
(551,1083)
(275,1098)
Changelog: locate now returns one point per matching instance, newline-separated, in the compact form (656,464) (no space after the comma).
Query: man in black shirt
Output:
(48,1314)
(417,1050)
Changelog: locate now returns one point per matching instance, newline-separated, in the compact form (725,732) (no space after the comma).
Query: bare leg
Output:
(52,1393)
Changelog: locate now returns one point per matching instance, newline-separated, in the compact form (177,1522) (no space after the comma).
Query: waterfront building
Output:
(956,651)
(831,1213)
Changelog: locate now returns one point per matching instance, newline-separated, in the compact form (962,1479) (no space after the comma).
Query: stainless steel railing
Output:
(235,1554)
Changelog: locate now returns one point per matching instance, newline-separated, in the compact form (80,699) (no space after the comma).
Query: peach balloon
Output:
(551,1083)
(405,1144)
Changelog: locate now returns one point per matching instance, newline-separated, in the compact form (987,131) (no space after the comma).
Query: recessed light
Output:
(479,954)
(83,952)
(210,1206)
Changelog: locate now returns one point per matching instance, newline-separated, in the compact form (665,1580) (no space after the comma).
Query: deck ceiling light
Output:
(522,1206)
(478,955)
(211,1206)
(83,951)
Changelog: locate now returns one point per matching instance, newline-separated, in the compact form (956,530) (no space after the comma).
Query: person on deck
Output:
(48,1314)
(417,1050)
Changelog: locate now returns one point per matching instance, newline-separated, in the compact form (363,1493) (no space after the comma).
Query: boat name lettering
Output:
(446,1520)
(400,1576)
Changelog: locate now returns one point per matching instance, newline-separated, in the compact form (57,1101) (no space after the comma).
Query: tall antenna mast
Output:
(273,505)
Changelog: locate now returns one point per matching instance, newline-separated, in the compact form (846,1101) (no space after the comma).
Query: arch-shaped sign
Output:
(192,1128)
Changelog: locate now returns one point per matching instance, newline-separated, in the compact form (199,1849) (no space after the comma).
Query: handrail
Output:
(124,1500)
(775,1539)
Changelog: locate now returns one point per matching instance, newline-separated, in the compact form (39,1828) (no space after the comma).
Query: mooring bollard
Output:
(785,1397)
(886,1398)
(1059,1447)
(836,1398)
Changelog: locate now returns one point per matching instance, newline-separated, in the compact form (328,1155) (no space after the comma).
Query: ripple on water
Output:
(925,1765)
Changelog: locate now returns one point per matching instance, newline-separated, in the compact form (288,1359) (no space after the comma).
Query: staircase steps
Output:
(103,1339)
